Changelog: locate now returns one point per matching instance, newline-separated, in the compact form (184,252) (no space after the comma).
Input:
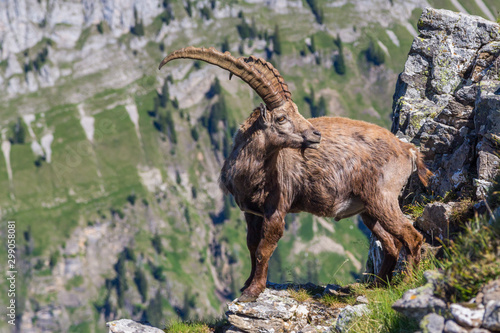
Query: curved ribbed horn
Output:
(258,73)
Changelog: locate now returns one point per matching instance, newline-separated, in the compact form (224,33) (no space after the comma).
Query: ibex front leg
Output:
(254,234)
(272,230)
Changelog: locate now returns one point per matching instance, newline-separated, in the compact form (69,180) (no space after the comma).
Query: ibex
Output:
(329,166)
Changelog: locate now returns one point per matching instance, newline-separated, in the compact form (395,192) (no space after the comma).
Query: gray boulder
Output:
(435,220)
(417,303)
(468,317)
(348,314)
(491,319)
(452,327)
(432,323)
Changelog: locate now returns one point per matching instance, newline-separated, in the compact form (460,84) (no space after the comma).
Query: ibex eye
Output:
(281,119)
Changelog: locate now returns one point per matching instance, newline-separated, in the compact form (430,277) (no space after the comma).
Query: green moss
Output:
(74,282)
(471,260)
(84,35)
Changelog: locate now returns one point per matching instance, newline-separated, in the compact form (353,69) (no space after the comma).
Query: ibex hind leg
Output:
(390,245)
(391,219)
(254,232)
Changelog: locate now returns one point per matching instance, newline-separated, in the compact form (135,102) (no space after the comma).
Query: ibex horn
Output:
(258,73)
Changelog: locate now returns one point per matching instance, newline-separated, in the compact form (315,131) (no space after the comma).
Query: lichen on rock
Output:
(448,87)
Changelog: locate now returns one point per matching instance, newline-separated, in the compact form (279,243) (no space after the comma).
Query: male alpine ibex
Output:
(327,166)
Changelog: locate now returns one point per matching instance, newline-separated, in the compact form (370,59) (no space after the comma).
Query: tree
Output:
(215,89)
(217,113)
(153,312)
(18,133)
(189,9)
(277,40)
(189,303)
(320,109)
(194,134)
(156,242)
(121,279)
(313,45)
(253,29)
(164,94)
(375,54)
(100,27)
(316,10)
(53,259)
(311,100)
(243,28)
(339,62)
(141,283)
(225,45)
(206,13)
(138,29)
(165,124)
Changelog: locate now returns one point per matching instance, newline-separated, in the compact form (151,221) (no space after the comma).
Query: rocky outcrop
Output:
(447,100)
(276,310)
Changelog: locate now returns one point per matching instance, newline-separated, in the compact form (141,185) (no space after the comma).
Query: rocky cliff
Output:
(447,100)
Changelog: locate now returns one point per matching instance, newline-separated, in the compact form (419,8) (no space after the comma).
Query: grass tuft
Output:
(215,325)
(334,301)
(381,317)
(471,260)
(187,327)
(414,210)
(300,294)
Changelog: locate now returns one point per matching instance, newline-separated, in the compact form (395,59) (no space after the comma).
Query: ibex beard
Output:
(329,166)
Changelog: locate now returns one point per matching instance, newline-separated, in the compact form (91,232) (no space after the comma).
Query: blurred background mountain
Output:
(109,167)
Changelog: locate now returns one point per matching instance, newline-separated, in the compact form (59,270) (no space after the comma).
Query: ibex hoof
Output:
(247,298)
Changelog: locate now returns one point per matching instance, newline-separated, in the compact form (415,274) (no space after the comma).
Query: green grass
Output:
(439,4)
(306,227)
(415,210)
(81,328)
(471,260)
(196,326)
(84,35)
(381,317)
(75,281)
(472,8)
(300,295)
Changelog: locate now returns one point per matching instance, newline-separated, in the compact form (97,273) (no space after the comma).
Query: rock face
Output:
(26,22)
(447,100)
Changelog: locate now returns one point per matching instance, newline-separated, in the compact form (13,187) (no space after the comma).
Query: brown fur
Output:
(358,168)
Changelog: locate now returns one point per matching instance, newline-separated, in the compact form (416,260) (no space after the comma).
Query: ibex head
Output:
(285,126)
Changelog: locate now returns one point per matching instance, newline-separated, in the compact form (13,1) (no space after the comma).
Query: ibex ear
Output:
(263,112)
